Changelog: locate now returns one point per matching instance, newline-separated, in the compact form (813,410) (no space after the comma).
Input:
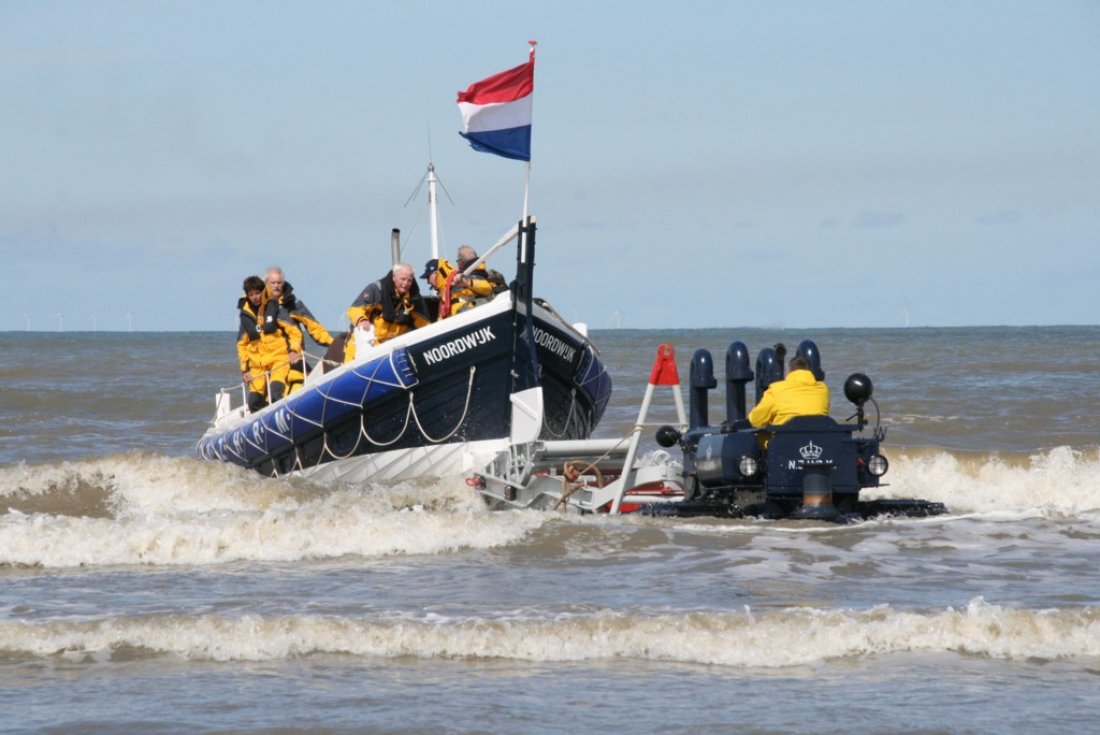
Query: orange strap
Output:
(445,294)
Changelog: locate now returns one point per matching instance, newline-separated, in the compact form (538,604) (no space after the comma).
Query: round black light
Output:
(667,436)
(858,388)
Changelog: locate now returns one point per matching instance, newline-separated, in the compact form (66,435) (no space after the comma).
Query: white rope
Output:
(245,433)
(375,442)
(568,488)
(298,465)
(465,410)
(233,451)
(568,419)
(325,447)
(267,376)
(371,380)
(295,467)
(308,420)
(360,435)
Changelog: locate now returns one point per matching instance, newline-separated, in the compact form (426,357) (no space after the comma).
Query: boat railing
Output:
(227,409)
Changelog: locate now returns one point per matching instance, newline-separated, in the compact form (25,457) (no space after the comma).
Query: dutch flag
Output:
(496,112)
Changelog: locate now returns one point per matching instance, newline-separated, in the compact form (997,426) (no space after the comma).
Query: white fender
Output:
(527,412)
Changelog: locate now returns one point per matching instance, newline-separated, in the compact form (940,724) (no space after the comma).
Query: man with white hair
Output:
(292,309)
(296,309)
(391,305)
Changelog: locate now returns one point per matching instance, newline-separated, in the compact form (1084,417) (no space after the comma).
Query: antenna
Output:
(433,208)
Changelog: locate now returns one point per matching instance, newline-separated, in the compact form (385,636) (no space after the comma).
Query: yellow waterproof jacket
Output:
(478,286)
(388,312)
(316,330)
(300,314)
(800,394)
(264,338)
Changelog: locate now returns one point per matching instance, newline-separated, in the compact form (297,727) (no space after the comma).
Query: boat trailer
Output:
(811,467)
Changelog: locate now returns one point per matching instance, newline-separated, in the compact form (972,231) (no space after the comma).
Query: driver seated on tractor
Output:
(799,394)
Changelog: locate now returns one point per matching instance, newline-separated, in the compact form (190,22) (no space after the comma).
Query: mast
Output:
(433,209)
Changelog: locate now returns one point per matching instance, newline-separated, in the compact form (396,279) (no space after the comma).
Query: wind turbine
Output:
(93,321)
(60,322)
(129,321)
(618,319)
(28,321)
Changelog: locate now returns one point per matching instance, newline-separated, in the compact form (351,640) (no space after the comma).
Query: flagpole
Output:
(496,118)
(523,232)
(526,188)
(527,168)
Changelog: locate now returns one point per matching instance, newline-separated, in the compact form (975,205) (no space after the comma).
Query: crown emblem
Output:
(811,451)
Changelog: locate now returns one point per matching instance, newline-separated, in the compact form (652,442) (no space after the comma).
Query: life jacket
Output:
(248,333)
(495,277)
(451,300)
(264,338)
(389,313)
(300,314)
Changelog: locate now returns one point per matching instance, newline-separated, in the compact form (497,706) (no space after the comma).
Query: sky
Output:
(788,164)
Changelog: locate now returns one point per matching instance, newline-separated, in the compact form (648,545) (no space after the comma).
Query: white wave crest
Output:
(140,482)
(1059,482)
(182,511)
(772,640)
(328,528)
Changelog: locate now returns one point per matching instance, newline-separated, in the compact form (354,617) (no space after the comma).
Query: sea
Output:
(145,590)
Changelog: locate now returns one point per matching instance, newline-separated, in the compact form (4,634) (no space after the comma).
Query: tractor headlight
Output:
(877,465)
(747,466)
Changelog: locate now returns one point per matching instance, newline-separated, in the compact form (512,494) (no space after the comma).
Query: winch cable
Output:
(571,487)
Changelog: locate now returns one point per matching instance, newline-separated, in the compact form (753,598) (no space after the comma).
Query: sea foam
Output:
(1058,482)
(772,639)
(171,511)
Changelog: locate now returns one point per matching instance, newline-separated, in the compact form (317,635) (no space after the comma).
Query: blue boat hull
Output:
(451,387)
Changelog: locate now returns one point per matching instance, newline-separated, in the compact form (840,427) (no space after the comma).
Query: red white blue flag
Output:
(496,112)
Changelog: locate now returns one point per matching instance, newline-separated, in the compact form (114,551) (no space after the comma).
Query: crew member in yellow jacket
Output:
(391,305)
(467,255)
(267,345)
(457,292)
(799,394)
(293,309)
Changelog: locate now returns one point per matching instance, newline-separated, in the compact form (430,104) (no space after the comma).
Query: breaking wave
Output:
(774,639)
(1058,482)
(149,509)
